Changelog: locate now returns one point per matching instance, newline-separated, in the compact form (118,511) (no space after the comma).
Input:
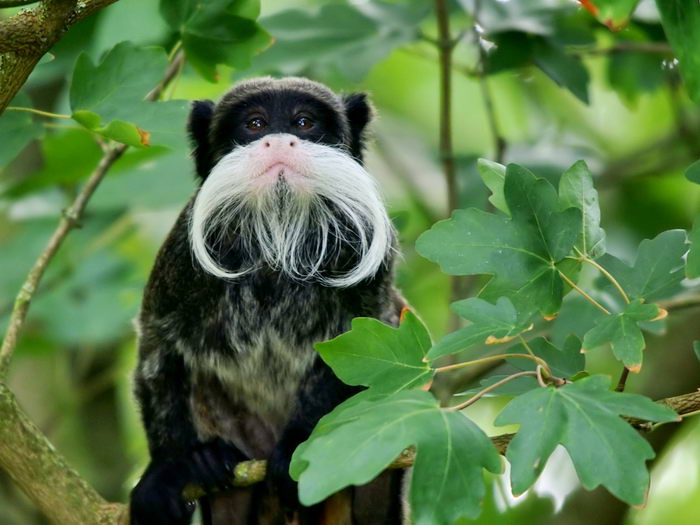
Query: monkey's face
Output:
(284,185)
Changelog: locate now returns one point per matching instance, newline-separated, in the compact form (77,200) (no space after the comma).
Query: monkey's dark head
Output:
(281,164)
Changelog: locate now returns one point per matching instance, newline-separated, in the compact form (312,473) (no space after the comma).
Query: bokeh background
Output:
(544,75)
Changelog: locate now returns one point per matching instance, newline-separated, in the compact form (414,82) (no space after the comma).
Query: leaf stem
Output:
(489,388)
(584,294)
(489,359)
(174,50)
(38,112)
(607,275)
(623,380)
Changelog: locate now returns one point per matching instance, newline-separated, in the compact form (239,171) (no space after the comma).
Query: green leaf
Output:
(696,349)
(109,98)
(623,333)
(692,263)
(451,451)
(576,317)
(657,270)
(693,172)
(68,157)
(490,324)
(564,69)
(583,417)
(576,190)
(521,252)
(681,22)
(17,129)
(348,39)
(633,74)
(494,176)
(534,201)
(613,13)
(544,289)
(378,356)
(217,32)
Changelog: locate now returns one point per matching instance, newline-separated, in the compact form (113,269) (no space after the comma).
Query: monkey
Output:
(285,240)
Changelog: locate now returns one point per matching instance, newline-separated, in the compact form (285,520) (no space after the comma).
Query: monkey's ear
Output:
(359,113)
(198,128)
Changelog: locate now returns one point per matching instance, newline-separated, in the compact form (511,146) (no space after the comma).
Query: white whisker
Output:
(294,227)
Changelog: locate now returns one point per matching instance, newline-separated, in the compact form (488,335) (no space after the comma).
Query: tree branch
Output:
(28,35)
(445,46)
(44,475)
(251,472)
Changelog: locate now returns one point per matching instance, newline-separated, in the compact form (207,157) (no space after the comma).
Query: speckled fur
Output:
(235,359)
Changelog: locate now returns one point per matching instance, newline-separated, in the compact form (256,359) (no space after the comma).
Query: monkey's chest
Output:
(248,398)
(247,387)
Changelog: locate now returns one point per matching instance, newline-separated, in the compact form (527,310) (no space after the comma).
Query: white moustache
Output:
(325,191)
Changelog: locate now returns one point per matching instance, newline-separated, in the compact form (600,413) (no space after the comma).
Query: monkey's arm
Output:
(178,457)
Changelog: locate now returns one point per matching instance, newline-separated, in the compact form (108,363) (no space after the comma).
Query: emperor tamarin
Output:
(283,243)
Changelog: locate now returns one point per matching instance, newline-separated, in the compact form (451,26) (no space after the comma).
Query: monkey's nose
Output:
(281,141)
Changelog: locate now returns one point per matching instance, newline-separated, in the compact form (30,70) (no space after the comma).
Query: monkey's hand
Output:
(157,498)
(211,465)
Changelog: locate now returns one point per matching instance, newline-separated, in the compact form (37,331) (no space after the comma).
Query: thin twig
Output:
(584,294)
(499,143)
(607,275)
(70,220)
(489,359)
(489,388)
(38,112)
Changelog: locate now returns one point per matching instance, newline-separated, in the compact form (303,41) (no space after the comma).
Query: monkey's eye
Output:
(256,124)
(303,123)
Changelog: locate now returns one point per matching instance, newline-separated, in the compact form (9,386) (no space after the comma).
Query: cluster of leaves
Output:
(346,41)
(533,246)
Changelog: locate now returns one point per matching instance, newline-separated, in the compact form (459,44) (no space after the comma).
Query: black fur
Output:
(359,114)
(227,370)
(198,127)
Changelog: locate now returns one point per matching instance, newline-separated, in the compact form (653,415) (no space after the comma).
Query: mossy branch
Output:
(29,34)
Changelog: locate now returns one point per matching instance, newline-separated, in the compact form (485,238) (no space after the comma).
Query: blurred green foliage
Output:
(562,85)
